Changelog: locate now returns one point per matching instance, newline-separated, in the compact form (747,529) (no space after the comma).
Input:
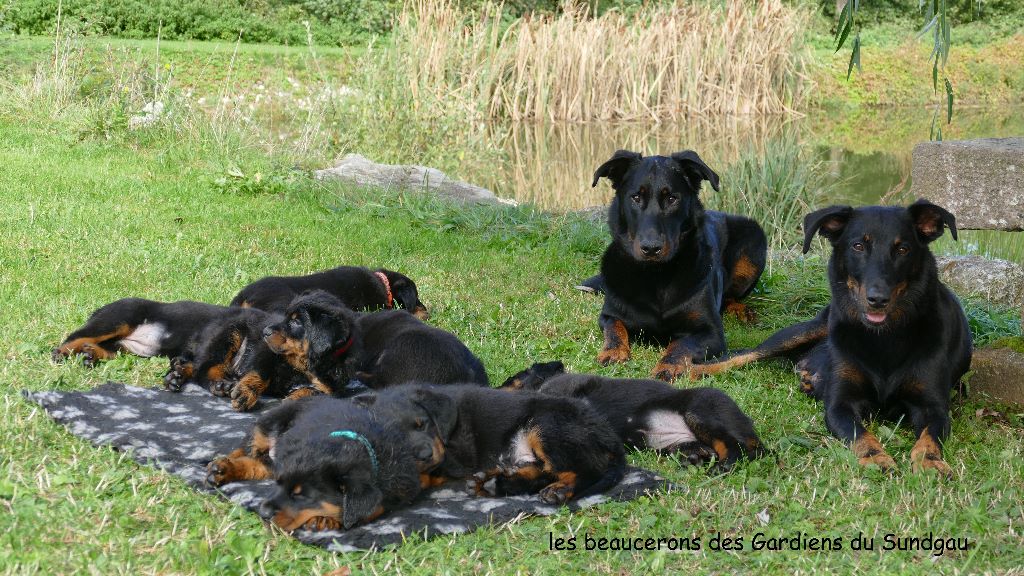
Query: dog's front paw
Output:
(613,355)
(223,388)
(882,460)
(556,493)
(322,523)
(219,472)
(243,398)
(742,312)
(921,464)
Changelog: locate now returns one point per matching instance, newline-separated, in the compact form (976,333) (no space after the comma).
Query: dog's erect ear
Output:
(691,164)
(829,222)
(362,499)
(616,167)
(440,407)
(930,220)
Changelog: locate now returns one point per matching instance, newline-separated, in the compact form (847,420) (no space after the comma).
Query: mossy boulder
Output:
(998,370)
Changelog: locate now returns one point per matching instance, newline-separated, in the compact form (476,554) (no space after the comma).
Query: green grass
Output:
(91,217)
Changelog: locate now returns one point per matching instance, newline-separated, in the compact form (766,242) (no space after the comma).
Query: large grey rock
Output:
(980,181)
(364,172)
(998,372)
(998,281)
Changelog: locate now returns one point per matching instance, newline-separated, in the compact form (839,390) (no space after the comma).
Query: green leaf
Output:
(935,75)
(844,20)
(949,101)
(927,26)
(854,56)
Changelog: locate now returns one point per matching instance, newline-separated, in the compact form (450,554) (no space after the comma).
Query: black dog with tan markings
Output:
(699,424)
(527,443)
(893,342)
(335,466)
(358,287)
(672,267)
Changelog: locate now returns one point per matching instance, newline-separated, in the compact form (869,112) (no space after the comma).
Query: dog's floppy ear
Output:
(364,400)
(691,164)
(278,419)
(930,220)
(616,167)
(829,222)
(441,408)
(362,499)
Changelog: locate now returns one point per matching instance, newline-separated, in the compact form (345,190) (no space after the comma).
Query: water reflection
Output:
(867,155)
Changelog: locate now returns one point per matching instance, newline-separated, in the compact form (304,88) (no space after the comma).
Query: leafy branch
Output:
(936,22)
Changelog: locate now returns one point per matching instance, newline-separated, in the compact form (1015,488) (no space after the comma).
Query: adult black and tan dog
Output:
(892,342)
(320,346)
(335,466)
(358,287)
(528,443)
(699,424)
(672,267)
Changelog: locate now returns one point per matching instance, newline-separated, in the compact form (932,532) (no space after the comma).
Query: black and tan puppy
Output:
(311,349)
(334,466)
(527,443)
(359,288)
(699,424)
(141,327)
(672,267)
(893,341)
(398,348)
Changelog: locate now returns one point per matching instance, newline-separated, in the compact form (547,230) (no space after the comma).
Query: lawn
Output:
(89,219)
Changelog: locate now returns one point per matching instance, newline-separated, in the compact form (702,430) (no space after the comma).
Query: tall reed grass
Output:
(664,62)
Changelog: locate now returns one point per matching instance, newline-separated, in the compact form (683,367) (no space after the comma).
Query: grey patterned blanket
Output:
(181,433)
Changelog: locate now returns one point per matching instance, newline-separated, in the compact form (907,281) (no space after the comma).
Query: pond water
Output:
(866,158)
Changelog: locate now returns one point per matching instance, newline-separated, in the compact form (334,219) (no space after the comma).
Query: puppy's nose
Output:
(650,249)
(267,331)
(878,298)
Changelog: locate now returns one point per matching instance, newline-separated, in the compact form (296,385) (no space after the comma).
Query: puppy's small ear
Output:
(278,419)
(365,400)
(692,165)
(616,167)
(930,220)
(440,407)
(829,222)
(361,501)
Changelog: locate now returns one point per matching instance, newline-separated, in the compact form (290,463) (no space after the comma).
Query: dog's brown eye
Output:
(902,249)
(637,198)
(297,490)
(858,246)
(420,424)
(670,200)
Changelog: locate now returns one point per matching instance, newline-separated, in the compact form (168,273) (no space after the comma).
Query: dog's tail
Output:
(790,342)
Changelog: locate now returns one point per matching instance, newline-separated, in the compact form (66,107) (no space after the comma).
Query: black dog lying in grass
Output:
(893,341)
(319,346)
(359,288)
(527,443)
(699,424)
(672,267)
(335,467)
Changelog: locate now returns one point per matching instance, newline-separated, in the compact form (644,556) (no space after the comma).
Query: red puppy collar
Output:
(387,289)
(343,348)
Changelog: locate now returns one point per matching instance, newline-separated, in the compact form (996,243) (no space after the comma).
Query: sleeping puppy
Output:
(700,424)
(358,287)
(309,350)
(334,466)
(527,443)
(398,348)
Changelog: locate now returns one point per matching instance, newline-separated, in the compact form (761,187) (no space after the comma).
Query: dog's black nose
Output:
(650,249)
(878,298)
